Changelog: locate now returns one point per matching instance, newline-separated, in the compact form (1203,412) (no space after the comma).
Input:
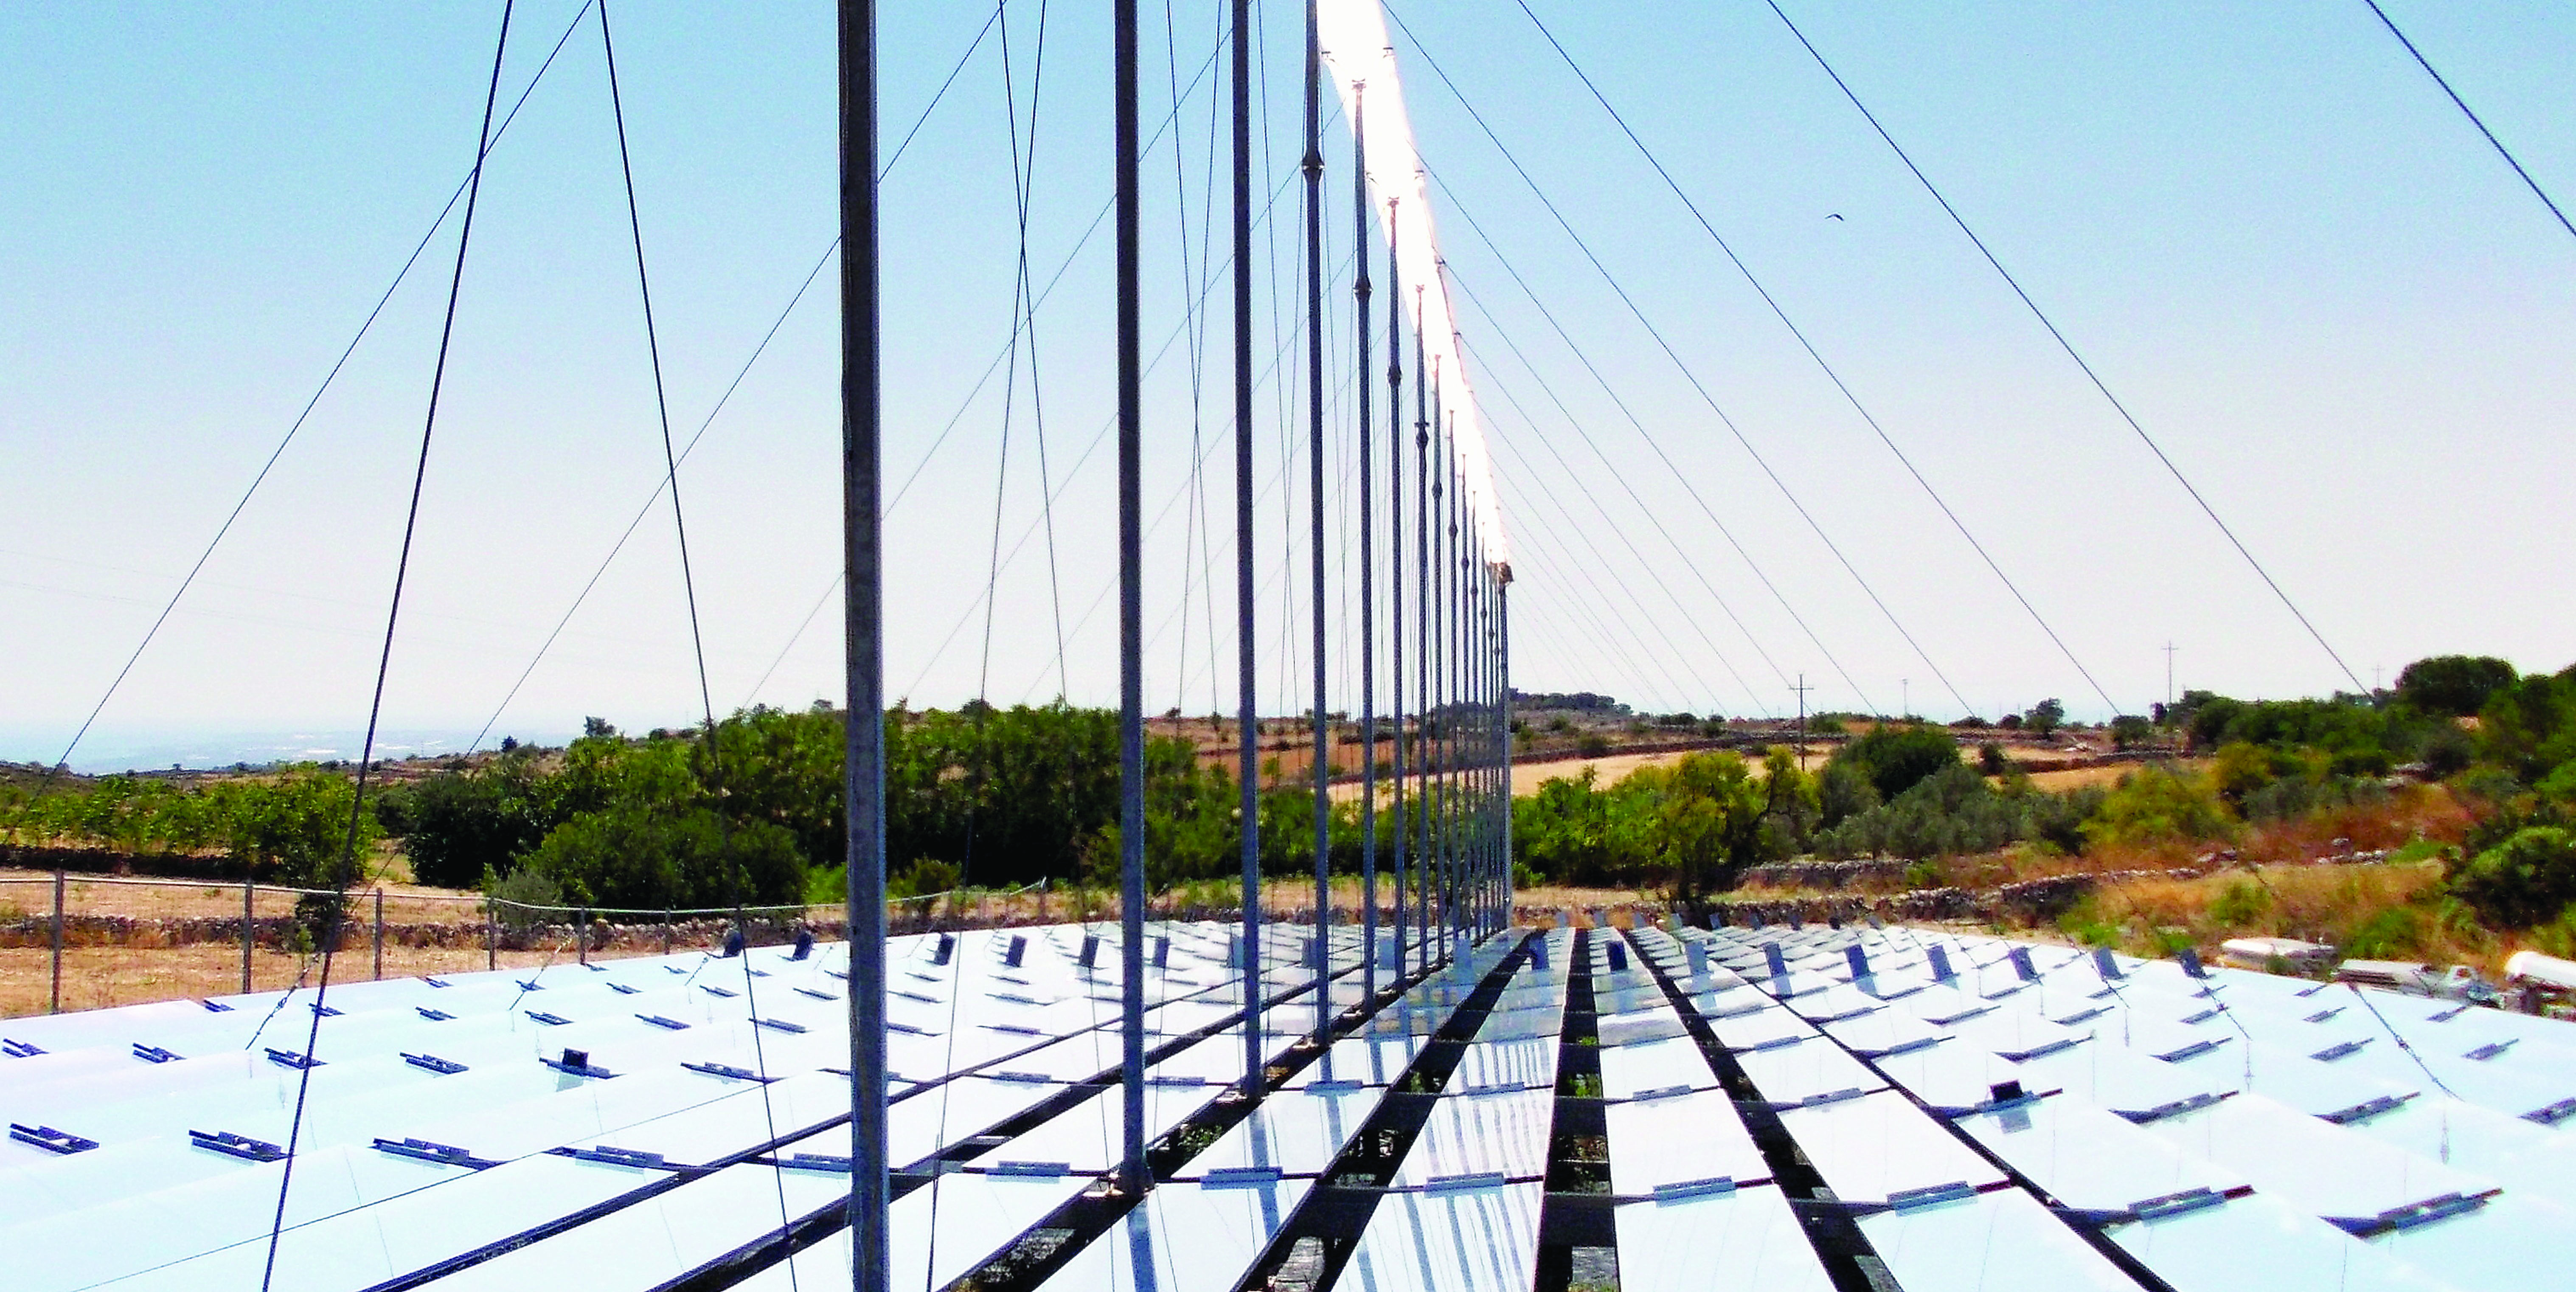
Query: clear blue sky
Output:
(2305,273)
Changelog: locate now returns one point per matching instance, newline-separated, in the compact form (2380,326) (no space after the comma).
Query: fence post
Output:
(58,941)
(581,933)
(380,935)
(491,937)
(666,931)
(249,887)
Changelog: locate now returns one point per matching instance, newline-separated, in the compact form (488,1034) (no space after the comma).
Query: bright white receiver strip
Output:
(1361,64)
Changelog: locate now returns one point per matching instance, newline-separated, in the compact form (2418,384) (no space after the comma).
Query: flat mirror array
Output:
(1781,1108)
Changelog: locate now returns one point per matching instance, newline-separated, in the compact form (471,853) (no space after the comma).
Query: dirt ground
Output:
(97,977)
(31,892)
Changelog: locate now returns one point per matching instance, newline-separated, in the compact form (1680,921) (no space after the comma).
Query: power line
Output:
(2466,111)
(2066,345)
(1693,378)
(1494,379)
(1813,353)
(1585,359)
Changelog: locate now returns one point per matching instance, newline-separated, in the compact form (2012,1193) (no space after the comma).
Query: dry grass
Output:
(31,892)
(98,977)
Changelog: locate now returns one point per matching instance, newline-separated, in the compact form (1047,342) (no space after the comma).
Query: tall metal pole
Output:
(1247,716)
(1423,631)
(57,1006)
(1497,707)
(1494,863)
(1395,553)
(1323,761)
(1452,632)
(1131,612)
(1440,682)
(1368,554)
(1503,687)
(1481,734)
(862,568)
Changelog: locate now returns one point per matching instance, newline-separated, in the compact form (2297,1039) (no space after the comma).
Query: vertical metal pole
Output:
(58,943)
(1368,556)
(248,889)
(380,935)
(1485,756)
(1423,631)
(1503,687)
(1246,590)
(1395,556)
(581,935)
(1496,913)
(1323,739)
(491,943)
(863,635)
(1434,700)
(1131,612)
(1451,674)
(1480,731)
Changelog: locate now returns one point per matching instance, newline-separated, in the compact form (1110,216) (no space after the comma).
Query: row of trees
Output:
(984,796)
(292,826)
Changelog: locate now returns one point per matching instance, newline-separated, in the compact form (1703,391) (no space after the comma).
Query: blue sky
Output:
(2289,255)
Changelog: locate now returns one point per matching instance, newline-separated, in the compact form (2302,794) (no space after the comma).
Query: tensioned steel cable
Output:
(2474,119)
(1000,355)
(1696,384)
(384,660)
(2068,346)
(1601,379)
(1812,353)
(1587,609)
(579,599)
(583,597)
(1585,578)
(1585,434)
(1588,580)
(1176,497)
(365,326)
(1155,527)
(697,635)
(1620,531)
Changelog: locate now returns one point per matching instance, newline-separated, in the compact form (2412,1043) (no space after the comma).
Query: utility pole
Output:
(1905,697)
(2170,648)
(1802,688)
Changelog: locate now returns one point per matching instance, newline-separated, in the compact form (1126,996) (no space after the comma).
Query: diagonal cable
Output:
(1696,385)
(2068,347)
(2471,114)
(365,326)
(1813,353)
(384,664)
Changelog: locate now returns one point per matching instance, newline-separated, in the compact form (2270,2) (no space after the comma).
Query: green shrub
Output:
(2240,904)
(640,858)
(1897,758)
(2453,685)
(458,825)
(2528,879)
(1955,811)
(518,892)
(2158,805)
(2386,935)
(925,877)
